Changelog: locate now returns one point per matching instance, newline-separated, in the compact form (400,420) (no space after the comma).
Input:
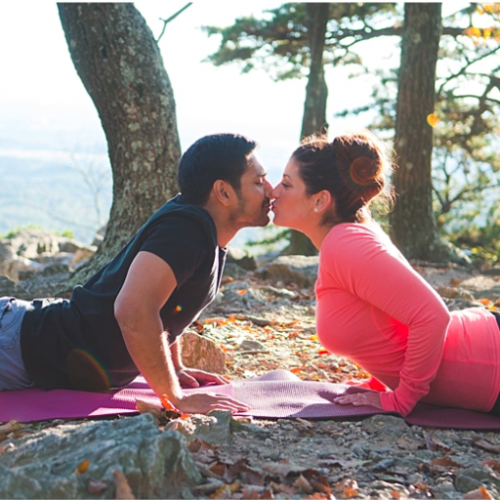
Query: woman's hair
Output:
(352,168)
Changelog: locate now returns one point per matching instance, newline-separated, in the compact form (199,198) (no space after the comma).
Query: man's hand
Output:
(203,403)
(371,398)
(190,377)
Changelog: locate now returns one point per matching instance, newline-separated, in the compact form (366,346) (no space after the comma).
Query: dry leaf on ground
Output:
(482,443)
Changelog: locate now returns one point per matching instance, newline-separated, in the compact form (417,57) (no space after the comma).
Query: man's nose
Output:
(268,188)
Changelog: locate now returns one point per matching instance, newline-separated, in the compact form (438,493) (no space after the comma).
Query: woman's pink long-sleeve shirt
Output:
(374,309)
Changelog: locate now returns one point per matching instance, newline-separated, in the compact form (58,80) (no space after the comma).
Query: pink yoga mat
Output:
(278,394)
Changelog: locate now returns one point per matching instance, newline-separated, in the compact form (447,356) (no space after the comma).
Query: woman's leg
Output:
(13,374)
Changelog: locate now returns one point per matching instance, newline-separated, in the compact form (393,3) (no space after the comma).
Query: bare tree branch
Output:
(171,18)
(464,68)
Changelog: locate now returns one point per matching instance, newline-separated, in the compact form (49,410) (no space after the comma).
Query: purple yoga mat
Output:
(278,394)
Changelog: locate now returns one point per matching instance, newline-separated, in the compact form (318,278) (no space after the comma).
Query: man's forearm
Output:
(175,352)
(148,347)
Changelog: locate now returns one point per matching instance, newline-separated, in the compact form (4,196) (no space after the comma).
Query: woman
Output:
(372,307)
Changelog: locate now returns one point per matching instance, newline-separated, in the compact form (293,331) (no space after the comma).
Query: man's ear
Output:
(223,192)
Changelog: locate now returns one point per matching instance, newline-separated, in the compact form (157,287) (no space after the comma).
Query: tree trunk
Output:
(314,118)
(413,225)
(120,65)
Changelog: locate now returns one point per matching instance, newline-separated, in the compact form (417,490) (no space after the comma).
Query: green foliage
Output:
(16,230)
(273,238)
(279,44)
(66,233)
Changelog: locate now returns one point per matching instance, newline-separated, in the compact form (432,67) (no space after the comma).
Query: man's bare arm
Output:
(147,287)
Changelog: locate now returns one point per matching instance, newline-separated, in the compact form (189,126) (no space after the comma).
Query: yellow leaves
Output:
(488,8)
(485,33)
(432,119)
(82,467)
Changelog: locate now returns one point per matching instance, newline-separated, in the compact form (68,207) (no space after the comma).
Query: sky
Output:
(45,110)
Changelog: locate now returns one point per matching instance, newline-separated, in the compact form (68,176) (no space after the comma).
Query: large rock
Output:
(28,252)
(297,269)
(45,465)
(202,353)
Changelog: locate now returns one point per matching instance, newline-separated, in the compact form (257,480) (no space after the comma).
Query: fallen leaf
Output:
(434,443)
(482,443)
(305,423)
(494,464)
(82,467)
(444,462)
(478,494)
(251,493)
(226,491)
(350,492)
(454,281)
(123,490)
(407,443)
(278,469)
(421,487)
(396,494)
(348,487)
(96,487)
(302,483)
(219,469)
(282,488)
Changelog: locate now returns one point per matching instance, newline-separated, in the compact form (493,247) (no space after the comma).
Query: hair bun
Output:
(364,170)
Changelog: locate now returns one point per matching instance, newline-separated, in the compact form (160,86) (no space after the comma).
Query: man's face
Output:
(254,197)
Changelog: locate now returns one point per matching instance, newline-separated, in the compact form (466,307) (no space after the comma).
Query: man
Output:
(126,318)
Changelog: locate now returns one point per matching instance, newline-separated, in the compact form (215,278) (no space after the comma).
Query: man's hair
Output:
(211,158)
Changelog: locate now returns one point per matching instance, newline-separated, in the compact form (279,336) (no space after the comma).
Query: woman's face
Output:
(292,207)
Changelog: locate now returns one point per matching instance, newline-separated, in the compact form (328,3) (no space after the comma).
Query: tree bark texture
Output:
(119,63)
(314,118)
(413,226)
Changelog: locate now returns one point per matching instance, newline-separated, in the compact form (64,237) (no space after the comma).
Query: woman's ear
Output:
(323,201)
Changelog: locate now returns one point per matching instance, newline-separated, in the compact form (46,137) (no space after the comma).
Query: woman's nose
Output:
(276,191)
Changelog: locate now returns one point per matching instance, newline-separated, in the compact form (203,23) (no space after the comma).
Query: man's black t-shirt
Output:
(78,343)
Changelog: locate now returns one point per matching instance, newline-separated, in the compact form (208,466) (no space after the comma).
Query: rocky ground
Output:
(262,320)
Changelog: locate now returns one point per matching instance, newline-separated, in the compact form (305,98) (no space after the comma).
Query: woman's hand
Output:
(371,398)
(190,377)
